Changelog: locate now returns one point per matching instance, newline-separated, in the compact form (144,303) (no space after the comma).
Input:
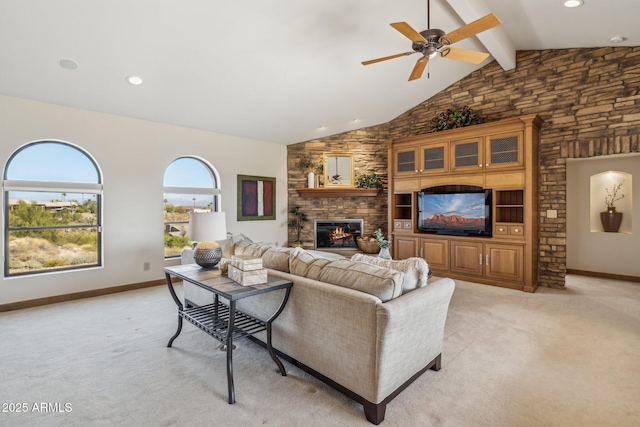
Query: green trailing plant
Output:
(371,180)
(455,118)
(298,221)
(382,242)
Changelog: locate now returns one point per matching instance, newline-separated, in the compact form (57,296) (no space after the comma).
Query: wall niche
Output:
(611,188)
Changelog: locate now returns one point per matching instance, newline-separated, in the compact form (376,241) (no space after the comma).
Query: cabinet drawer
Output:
(501,230)
(398,224)
(406,225)
(516,230)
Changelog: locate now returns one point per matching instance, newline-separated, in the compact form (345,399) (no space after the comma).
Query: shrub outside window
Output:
(190,184)
(52,205)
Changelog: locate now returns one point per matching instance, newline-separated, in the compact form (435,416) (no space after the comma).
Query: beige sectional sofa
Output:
(367,330)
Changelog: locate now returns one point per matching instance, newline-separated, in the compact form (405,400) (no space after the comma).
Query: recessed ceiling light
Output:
(617,39)
(573,3)
(68,64)
(356,120)
(322,127)
(134,80)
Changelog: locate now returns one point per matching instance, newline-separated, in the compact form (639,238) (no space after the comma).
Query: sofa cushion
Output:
(251,249)
(380,282)
(276,258)
(416,270)
(305,264)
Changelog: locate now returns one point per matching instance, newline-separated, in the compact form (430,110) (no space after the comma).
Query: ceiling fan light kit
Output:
(433,42)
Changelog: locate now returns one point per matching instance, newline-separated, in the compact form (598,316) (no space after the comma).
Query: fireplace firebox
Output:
(337,234)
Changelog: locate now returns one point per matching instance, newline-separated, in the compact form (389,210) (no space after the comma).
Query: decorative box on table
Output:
(247,270)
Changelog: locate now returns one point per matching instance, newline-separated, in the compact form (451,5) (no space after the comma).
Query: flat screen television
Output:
(460,213)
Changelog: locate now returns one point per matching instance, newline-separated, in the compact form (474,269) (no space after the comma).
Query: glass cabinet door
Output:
(467,154)
(504,150)
(405,161)
(435,158)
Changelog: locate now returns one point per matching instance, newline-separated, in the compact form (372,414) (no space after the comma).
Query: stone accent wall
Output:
(589,99)
(369,155)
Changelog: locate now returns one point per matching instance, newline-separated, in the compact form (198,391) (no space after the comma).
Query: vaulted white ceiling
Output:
(271,70)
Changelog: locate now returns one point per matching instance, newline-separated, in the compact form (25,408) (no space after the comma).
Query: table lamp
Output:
(205,228)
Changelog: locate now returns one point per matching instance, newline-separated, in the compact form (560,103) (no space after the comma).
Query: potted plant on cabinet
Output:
(297,223)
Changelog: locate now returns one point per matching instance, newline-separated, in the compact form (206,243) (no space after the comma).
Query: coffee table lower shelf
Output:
(214,320)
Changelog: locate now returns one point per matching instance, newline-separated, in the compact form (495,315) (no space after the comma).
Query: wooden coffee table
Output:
(222,320)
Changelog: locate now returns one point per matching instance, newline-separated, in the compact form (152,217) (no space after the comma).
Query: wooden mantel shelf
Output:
(339,192)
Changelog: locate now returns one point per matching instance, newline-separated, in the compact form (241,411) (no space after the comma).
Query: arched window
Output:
(52,200)
(190,184)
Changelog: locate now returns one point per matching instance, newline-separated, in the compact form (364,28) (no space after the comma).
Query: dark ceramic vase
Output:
(611,219)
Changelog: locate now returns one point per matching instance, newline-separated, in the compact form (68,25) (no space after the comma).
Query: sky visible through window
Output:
(57,162)
(188,172)
(51,162)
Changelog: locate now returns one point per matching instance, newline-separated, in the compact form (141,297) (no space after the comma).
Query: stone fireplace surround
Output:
(336,234)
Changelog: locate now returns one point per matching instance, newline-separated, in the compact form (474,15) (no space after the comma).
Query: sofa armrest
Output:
(410,333)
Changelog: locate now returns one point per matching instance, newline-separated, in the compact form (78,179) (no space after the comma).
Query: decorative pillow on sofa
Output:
(251,249)
(380,282)
(416,270)
(305,264)
(276,258)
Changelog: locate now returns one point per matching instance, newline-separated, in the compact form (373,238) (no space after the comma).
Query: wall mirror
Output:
(338,170)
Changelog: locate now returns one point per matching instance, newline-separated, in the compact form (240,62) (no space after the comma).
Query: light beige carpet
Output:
(553,358)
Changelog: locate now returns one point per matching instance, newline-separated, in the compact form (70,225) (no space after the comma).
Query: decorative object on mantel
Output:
(455,118)
(338,170)
(611,219)
(383,243)
(371,180)
(297,224)
(204,229)
(305,164)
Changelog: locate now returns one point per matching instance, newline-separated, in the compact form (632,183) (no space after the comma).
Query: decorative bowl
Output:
(368,245)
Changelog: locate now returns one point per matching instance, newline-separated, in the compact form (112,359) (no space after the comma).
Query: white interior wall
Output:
(588,248)
(133,155)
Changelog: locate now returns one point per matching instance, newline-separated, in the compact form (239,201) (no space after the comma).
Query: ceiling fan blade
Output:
(418,68)
(373,61)
(466,55)
(408,31)
(473,28)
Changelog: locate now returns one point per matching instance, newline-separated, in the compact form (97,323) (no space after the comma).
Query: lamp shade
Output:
(207,226)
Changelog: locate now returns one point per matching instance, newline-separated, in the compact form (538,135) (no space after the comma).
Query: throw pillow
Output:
(416,270)
(380,282)
(276,258)
(250,249)
(302,263)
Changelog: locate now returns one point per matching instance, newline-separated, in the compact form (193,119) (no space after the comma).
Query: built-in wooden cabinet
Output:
(436,251)
(501,156)
(405,247)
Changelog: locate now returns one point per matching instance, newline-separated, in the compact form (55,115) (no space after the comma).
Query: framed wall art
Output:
(256,198)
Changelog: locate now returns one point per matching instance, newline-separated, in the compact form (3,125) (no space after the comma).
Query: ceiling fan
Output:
(432,42)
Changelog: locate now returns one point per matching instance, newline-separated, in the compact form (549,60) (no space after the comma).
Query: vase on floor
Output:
(611,219)
(384,253)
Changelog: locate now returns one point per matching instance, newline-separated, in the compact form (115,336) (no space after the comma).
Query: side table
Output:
(222,320)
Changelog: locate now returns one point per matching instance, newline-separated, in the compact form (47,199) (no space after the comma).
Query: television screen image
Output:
(455,213)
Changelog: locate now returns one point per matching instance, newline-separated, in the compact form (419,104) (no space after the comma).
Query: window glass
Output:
(190,184)
(52,195)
